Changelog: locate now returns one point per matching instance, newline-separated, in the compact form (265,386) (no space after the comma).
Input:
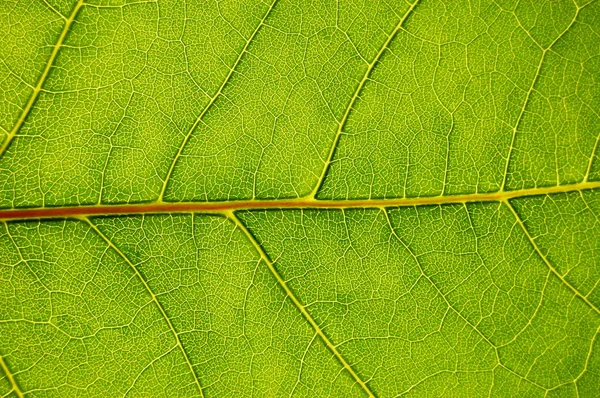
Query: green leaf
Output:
(309,198)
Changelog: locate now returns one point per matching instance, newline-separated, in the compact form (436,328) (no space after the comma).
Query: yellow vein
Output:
(42,79)
(297,302)
(148,366)
(9,375)
(364,79)
(222,207)
(211,102)
(154,298)
(528,96)
(545,260)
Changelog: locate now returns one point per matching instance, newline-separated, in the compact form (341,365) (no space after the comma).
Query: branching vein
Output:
(222,207)
(154,298)
(298,304)
(528,96)
(211,102)
(357,92)
(545,260)
(42,79)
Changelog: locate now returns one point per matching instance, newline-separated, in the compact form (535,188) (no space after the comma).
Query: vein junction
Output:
(226,207)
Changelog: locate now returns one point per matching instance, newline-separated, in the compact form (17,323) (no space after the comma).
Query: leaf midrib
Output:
(224,207)
(229,207)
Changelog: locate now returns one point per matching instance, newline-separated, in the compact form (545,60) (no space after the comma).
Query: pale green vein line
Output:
(9,375)
(437,289)
(42,79)
(297,302)
(545,260)
(21,257)
(519,118)
(54,10)
(541,387)
(533,315)
(423,381)
(528,96)
(591,161)
(211,102)
(154,298)
(583,371)
(148,366)
(528,33)
(455,310)
(302,363)
(355,96)
(587,360)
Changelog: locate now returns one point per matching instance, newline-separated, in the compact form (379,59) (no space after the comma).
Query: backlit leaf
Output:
(300,198)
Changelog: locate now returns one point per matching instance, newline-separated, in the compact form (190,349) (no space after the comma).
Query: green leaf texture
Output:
(300,198)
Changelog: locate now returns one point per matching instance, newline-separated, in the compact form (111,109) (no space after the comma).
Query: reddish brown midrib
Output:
(223,207)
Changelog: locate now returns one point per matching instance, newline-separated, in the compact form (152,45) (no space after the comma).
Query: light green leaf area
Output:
(376,198)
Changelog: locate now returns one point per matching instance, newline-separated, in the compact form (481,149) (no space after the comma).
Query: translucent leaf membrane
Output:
(468,102)
(120,102)
(559,131)
(77,321)
(444,300)
(566,228)
(200,101)
(153,306)
(268,135)
(438,113)
(124,91)
(30,29)
(134,81)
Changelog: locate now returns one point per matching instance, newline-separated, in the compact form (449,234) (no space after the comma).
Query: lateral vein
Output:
(290,294)
(211,102)
(355,96)
(545,260)
(152,295)
(528,96)
(11,378)
(36,91)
